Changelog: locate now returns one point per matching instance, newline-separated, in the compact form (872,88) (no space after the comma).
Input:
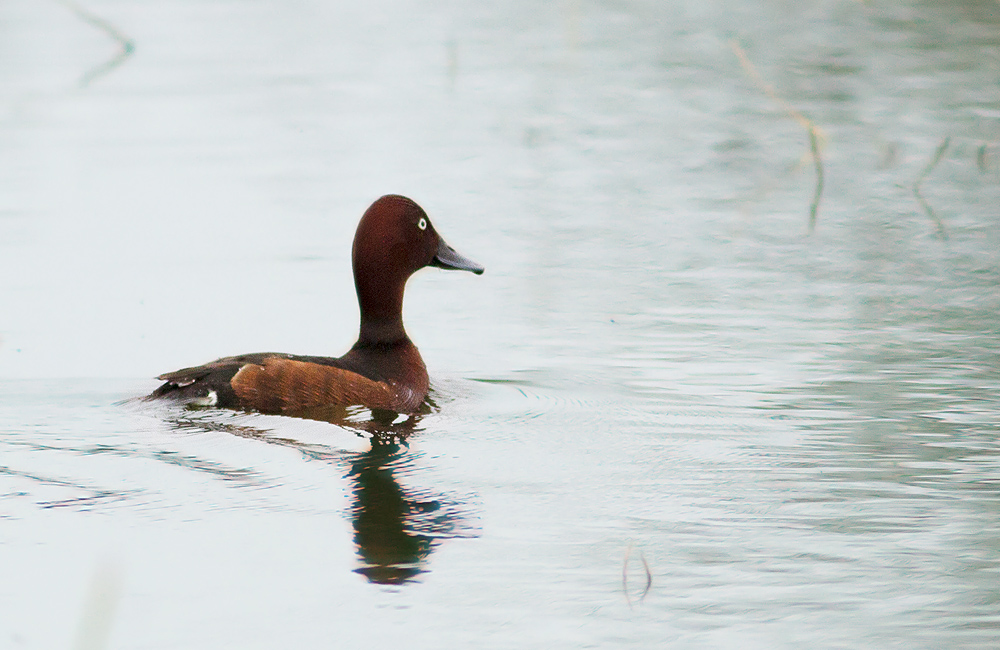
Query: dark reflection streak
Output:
(935,159)
(99,496)
(41,479)
(95,497)
(245,476)
(310,451)
(126,45)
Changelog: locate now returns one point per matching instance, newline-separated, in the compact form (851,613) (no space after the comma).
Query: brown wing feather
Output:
(275,385)
(186,376)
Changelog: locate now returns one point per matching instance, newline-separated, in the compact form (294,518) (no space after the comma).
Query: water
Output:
(661,367)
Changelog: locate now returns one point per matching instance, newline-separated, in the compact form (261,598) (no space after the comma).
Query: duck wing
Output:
(290,384)
(209,384)
(273,382)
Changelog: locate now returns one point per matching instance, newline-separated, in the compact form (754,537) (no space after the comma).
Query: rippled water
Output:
(666,416)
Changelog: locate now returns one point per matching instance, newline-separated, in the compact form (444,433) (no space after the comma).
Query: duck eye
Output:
(422,224)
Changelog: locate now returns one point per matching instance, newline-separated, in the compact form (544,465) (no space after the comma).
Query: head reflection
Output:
(391,552)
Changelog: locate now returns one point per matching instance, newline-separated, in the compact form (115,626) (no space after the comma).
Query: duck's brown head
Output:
(394,240)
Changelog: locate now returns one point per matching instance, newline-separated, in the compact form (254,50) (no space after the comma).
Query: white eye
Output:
(422,224)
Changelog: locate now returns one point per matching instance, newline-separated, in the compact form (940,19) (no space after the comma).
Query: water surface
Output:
(662,368)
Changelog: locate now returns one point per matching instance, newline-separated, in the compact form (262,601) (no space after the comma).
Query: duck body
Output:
(383,370)
(382,377)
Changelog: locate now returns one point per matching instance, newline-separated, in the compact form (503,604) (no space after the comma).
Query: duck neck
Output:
(381,304)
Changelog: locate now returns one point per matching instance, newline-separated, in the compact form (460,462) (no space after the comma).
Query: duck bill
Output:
(448,258)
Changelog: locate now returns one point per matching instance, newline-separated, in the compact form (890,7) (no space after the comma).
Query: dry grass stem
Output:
(126,45)
(935,159)
(982,159)
(815,135)
(818,193)
(649,576)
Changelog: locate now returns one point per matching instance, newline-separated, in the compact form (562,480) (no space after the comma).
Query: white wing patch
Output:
(208,400)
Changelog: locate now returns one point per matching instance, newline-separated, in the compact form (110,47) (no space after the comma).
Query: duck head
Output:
(394,240)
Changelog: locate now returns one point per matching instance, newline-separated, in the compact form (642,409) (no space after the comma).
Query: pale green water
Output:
(797,433)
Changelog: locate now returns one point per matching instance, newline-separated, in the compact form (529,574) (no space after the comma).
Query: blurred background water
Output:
(662,369)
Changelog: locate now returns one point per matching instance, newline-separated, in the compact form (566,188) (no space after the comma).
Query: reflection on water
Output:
(396,528)
(391,552)
(90,495)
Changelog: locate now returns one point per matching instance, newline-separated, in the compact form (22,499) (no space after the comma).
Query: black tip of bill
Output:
(448,258)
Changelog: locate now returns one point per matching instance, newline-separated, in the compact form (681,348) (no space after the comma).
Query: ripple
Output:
(50,491)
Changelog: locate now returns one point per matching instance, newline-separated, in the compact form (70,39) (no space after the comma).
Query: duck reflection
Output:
(390,551)
(395,528)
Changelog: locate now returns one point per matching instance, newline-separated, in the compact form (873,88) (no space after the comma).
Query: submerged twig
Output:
(935,159)
(126,45)
(814,206)
(815,135)
(649,576)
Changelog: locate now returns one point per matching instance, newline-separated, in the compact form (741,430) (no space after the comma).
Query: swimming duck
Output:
(383,370)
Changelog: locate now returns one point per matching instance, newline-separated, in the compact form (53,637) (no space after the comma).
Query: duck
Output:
(382,371)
